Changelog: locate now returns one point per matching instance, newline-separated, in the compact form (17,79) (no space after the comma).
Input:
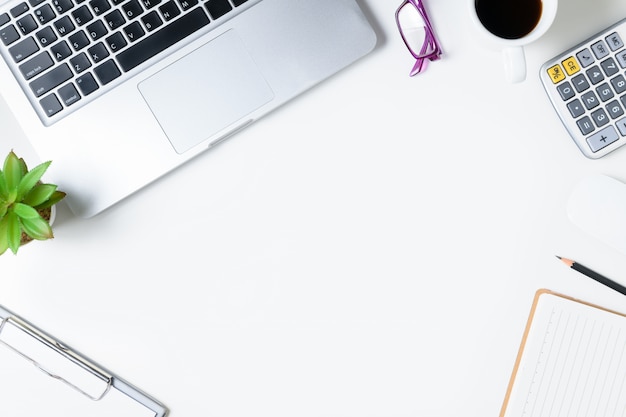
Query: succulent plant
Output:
(25,203)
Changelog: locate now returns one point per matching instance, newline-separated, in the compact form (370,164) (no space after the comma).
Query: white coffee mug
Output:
(512,28)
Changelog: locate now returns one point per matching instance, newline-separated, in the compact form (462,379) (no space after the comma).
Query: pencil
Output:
(593,275)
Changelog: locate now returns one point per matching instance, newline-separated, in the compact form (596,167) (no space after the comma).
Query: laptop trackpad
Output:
(206,91)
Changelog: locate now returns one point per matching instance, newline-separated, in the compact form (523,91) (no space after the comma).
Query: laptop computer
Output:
(119,92)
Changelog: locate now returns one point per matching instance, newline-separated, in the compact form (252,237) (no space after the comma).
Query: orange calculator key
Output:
(556,73)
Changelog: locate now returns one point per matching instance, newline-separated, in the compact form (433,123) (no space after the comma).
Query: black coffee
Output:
(509,19)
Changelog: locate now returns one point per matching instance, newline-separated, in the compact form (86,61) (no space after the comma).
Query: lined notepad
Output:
(571,362)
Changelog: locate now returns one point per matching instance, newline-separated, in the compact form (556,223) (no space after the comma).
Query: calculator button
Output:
(599,49)
(566,91)
(595,75)
(605,92)
(556,74)
(619,84)
(599,117)
(590,100)
(576,108)
(614,109)
(610,67)
(601,139)
(571,66)
(585,125)
(580,83)
(614,41)
(585,57)
(621,58)
(621,125)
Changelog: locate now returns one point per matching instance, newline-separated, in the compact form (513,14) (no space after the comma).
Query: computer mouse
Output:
(597,205)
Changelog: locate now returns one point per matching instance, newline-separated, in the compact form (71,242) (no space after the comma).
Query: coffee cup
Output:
(510,25)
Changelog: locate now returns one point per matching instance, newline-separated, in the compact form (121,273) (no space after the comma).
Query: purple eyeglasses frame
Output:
(430,51)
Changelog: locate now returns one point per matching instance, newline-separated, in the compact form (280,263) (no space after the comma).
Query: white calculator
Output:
(587,87)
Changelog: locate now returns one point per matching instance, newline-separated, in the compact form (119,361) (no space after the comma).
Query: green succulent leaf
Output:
(24,211)
(37,228)
(4,190)
(39,194)
(54,198)
(13,171)
(14,231)
(31,179)
(4,235)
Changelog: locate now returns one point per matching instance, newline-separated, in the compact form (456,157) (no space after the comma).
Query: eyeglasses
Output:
(417,34)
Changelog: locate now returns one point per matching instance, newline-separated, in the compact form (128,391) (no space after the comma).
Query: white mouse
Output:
(598,206)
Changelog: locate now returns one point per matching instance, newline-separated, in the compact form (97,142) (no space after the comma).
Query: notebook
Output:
(571,362)
(118,92)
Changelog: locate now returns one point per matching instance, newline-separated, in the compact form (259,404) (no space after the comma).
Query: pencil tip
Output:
(558,256)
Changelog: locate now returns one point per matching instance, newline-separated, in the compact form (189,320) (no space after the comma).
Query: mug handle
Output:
(514,64)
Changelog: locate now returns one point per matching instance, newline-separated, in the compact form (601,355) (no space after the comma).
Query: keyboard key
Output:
(187,4)
(64,25)
(239,2)
(62,6)
(60,51)
(87,84)
(69,95)
(580,83)
(51,105)
(100,6)
(9,35)
(576,108)
(169,10)
(80,63)
(599,117)
(96,30)
(23,49)
(152,21)
(51,80)
(107,72)
(149,4)
(46,36)
(4,19)
(132,9)
(27,24)
(218,8)
(82,15)
(78,40)
(116,41)
(45,14)
(115,19)
(603,138)
(35,3)
(98,52)
(163,39)
(19,10)
(590,100)
(36,65)
(134,31)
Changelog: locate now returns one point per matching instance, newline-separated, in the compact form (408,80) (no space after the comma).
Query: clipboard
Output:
(40,375)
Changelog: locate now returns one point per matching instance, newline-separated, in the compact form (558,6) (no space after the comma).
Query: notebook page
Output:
(572,362)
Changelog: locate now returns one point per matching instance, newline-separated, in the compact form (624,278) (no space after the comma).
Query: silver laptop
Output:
(119,92)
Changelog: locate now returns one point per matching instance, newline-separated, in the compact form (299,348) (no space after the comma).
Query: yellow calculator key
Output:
(571,65)
(556,73)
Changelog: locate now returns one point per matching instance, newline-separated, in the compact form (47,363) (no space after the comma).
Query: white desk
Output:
(371,249)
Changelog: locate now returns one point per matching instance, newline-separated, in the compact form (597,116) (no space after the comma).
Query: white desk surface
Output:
(371,249)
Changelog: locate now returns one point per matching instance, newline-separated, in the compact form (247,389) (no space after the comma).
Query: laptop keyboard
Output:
(65,53)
